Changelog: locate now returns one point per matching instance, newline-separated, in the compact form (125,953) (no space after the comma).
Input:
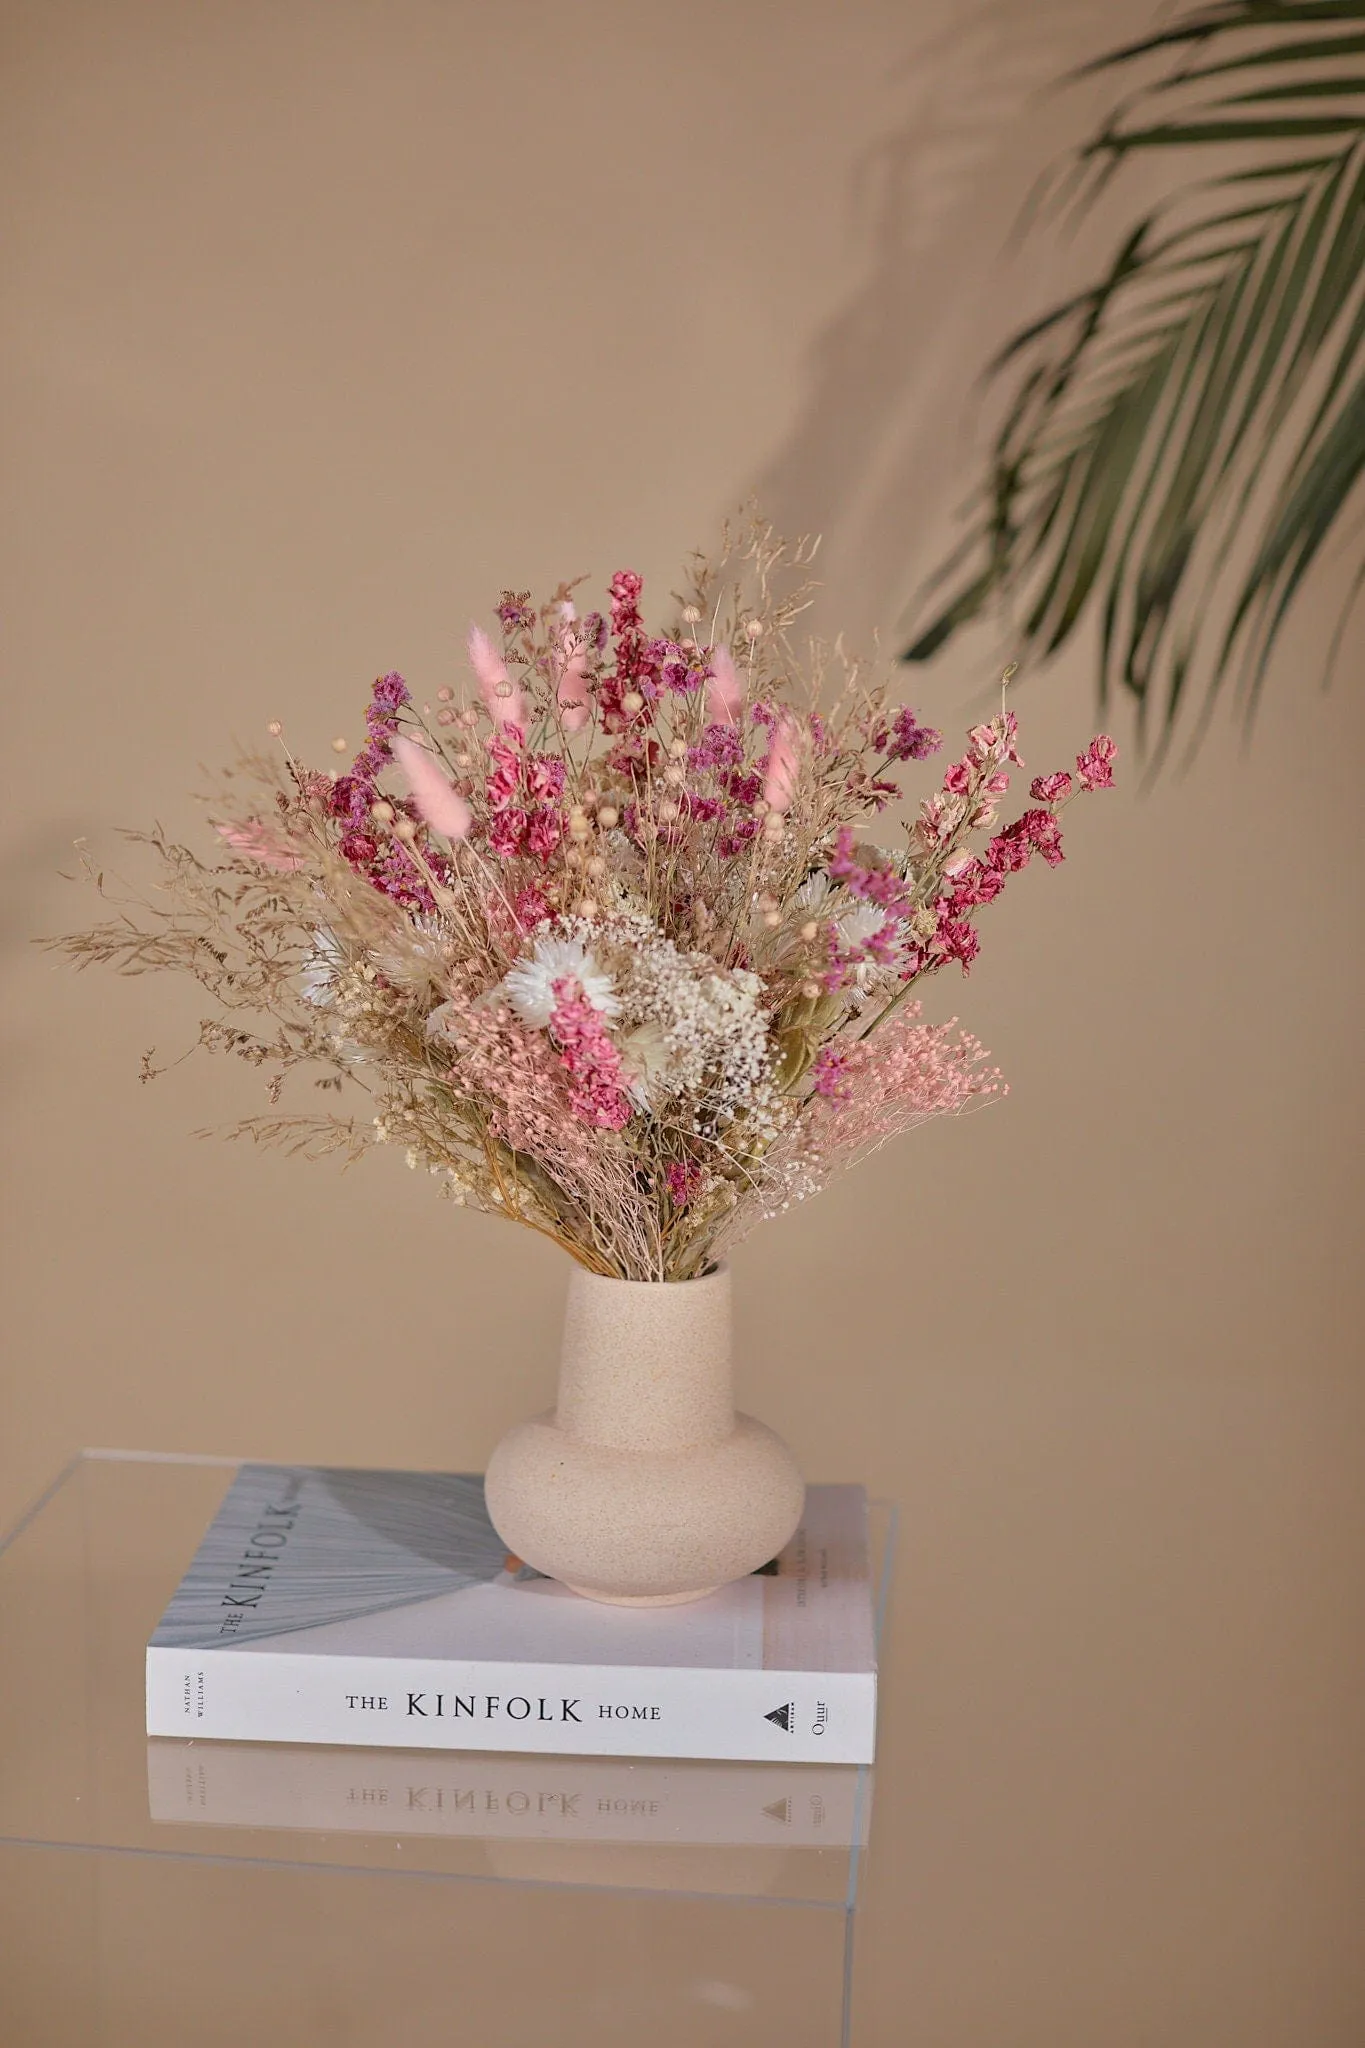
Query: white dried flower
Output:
(530,986)
(858,923)
(813,891)
(644,1060)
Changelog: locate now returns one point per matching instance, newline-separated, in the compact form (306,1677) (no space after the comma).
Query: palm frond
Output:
(1182,438)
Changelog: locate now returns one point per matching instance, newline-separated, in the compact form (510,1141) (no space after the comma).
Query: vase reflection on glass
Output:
(644,1486)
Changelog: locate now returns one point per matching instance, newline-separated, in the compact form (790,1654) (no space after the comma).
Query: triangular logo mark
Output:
(781,1809)
(781,1717)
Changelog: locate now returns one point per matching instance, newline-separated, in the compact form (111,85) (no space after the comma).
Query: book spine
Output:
(556,1709)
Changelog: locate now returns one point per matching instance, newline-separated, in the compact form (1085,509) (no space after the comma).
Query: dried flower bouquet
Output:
(604,943)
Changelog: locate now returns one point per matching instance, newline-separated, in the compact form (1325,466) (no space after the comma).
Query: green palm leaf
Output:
(1183,437)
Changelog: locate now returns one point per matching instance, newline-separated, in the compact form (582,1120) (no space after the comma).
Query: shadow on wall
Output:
(881,457)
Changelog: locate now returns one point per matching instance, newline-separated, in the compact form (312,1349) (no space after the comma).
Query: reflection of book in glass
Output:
(506,1798)
(379,1608)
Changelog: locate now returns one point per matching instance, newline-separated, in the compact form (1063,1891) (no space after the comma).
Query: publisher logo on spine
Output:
(783,1717)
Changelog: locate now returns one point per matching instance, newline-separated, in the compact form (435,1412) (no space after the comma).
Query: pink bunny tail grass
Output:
(444,809)
(575,707)
(254,842)
(499,692)
(781,768)
(724,690)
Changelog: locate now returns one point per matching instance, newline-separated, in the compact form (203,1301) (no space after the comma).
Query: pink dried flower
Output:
(1009,851)
(544,833)
(828,1075)
(590,1057)
(974,883)
(955,940)
(1095,765)
(720,746)
(390,692)
(876,1088)
(870,884)
(734,842)
(1051,789)
(1044,834)
(519,1080)
(684,1181)
(624,590)
(543,775)
(504,780)
(507,832)
(905,739)
(994,742)
(529,909)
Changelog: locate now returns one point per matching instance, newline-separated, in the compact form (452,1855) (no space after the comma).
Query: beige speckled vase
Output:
(643,1486)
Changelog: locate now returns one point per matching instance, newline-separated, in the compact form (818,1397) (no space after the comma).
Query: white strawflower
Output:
(530,986)
(857,924)
(813,891)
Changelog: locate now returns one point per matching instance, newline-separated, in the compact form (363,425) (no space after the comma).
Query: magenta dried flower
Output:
(684,1180)
(1096,765)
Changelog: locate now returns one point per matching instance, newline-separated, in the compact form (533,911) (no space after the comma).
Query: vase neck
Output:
(645,1366)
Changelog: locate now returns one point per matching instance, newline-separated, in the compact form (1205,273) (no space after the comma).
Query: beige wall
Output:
(324,321)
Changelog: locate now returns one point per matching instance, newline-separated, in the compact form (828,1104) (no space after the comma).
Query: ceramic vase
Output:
(643,1486)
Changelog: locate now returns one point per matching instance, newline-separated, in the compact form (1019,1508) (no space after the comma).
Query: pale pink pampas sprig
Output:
(781,768)
(256,843)
(724,690)
(444,809)
(506,705)
(575,705)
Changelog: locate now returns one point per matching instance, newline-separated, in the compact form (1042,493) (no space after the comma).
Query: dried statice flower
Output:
(606,941)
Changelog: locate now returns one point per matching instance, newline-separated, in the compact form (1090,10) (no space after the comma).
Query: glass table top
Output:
(149,1887)
(1118,1803)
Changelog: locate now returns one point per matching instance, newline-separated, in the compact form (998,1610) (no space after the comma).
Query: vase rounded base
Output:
(644,1529)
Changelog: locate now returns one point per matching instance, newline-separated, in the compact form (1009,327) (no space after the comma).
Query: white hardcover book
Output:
(380,1608)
